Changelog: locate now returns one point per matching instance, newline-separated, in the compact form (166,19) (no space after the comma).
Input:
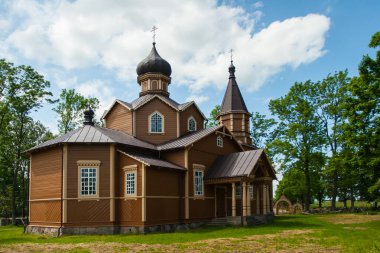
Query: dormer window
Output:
(219,141)
(156,123)
(191,124)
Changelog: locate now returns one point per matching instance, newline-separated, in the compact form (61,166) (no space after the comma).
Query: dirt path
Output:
(350,218)
(301,240)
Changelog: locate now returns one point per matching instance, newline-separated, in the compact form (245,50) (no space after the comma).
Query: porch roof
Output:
(237,165)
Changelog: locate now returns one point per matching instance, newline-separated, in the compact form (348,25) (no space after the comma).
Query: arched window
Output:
(191,124)
(219,141)
(156,123)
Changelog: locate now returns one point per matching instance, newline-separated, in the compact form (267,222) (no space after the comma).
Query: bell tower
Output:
(234,114)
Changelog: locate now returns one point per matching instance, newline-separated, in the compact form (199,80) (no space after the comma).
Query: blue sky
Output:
(94,46)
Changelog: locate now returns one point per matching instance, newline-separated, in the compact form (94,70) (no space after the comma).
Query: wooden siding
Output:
(45,212)
(127,211)
(46,176)
(90,211)
(120,118)
(205,152)
(142,122)
(165,191)
(184,116)
(175,156)
(46,184)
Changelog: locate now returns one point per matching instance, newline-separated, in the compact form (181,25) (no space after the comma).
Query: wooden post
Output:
(187,185)
(244,213)
(264,199)
(248,200)
(143,193)
(257,199)
(233,199)
(64,186)
(112,182)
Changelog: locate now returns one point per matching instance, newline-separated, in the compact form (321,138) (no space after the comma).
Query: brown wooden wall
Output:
(184,116)
(142,122)
(88,211)
(128,211)
(175,156)
(120,118)
(165,192)
(46,185)
(205,152)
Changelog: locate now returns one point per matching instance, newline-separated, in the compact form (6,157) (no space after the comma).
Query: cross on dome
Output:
(154,28)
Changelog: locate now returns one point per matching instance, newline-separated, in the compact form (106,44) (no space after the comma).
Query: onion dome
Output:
(88,117)
(154,64)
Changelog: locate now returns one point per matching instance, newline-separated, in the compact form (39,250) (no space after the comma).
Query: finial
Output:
(231,51)
(88,116)
(154,28)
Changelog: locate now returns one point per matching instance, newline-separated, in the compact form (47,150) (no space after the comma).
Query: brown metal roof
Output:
(149,160)
(233,100)
(95,134)
(188,139)
(238,164)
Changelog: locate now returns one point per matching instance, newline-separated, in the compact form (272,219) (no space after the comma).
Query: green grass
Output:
(359,237)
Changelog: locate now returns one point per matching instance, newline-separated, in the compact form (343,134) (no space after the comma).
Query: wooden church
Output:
(152,167)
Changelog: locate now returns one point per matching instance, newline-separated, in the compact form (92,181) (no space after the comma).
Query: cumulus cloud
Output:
(193,36)
(197,99)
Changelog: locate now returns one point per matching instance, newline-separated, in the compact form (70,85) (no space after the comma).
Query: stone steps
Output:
(218,222)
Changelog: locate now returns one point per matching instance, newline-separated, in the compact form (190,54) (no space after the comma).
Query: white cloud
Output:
(198,99)
(193,36)
(258,5)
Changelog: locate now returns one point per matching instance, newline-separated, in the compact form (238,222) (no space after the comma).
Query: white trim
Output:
(199,168)
(219,141)
(188,124)
(133,157)
(196,106)
(162,123)
(134,172)
(80,167)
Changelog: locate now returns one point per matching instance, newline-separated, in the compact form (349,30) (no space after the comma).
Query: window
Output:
(198,183)
(130,180)
(251,191)
(238,191)
(191,124)
(219,141)
(156,123)
(88,178)
(130,183)
(88,182)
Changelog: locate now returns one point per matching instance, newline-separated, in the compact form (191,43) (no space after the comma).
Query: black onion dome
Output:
(154,63)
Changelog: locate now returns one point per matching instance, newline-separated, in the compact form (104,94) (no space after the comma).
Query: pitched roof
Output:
(149,160)
(135,104)
(95,134)
(237,164)
(233,100)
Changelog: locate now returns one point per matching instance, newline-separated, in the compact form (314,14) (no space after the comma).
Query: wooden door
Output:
(220,202)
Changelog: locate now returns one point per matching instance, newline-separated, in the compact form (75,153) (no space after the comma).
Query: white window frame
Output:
(198,168)
(88,164)
(250,188)
(219,141)
(238,191)
(130,169)
(162,123)
(188,124)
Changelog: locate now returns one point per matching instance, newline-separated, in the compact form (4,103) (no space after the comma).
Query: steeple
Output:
(234,114)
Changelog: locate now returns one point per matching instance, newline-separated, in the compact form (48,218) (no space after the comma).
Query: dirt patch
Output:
(350,218)
(285,241)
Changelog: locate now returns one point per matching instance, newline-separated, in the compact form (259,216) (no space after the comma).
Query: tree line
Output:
(324,136)
(22,92)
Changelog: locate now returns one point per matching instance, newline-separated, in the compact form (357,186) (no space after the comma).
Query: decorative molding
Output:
(162,123)
(88,163)
(199,166)
(130,167)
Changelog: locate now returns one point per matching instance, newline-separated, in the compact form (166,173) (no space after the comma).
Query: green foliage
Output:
(262,130)
(292,186)
(212,121)
(70,108)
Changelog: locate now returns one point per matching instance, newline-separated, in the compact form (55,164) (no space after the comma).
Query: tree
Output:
(261,128)
(23,90)
(70,108)
(328,97)
(212,121)
(300,138)
(362,129)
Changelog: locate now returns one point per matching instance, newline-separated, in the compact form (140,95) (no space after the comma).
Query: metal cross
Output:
(231,51)
(154,28)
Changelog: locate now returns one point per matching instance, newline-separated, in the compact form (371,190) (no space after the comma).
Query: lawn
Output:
(291,233)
